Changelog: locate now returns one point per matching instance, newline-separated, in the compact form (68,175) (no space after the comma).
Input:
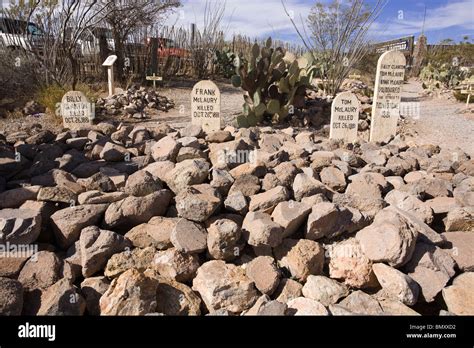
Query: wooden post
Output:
(109,64)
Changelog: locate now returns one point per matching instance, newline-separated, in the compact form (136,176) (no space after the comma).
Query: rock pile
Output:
(134,102)
(140,221)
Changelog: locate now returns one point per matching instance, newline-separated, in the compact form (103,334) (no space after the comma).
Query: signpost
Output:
(109,64)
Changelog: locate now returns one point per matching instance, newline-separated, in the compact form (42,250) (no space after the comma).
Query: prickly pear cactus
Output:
(275,82)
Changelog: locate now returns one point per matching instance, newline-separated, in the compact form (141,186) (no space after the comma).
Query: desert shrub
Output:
(435,76)
(275,83)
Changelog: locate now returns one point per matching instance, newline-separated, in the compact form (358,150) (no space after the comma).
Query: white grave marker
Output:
(109,64)
(76,110)
(345,117)
(206,106)
(387,95)
(154,78)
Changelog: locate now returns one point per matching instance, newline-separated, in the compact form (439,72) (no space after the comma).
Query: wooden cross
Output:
(469,91)
(154,78)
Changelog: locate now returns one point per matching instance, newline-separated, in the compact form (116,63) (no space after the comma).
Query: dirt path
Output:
(439,121)
(180,116)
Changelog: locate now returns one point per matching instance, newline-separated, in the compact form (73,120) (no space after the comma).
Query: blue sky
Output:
(261,18)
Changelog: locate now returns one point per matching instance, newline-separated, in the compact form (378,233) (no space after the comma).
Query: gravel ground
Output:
(440,121)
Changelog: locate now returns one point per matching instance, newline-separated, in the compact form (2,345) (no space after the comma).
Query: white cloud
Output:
(454,14)
(254,18)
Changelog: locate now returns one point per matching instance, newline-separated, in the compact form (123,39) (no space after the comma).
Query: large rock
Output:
(62,299)
(389,239)
(359,302)
(19,226)
(197,204)
(139,259)
(305,186)
(397,284)
(287,290)
(93,289)
(224,287)
(155,233)
(174,264)
(364,193)
(307,307)
(41,271)
(301,258)
(324,290)
(327,220)
(113,152)
(461,249)
(291,216)
(459,297)
(97,197)
(411,204)
(349,263)
(97,246)
(267,201)
(16,197)
(236,203)
(258,229)
(333,178)
(173,298)
(460,219)
(133,211)
(165,150)
(189,237)
(264,273)
(432,268)
(188,173)
(68,223)
(131,294)
(11,297)
(223,237)
(141,184)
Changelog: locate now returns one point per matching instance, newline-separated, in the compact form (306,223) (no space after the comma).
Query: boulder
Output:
(155,233)
(93,289)
(11,297)
(197,204)
(324,290)
(189,237)
(267,201)
(389,239)
(258,229)
(264,273)
(131,294)
(459,297)
(432,268)
(62,299)
(97,246)
(349,264)
(307,307)
(301,258)
(19,226)
(174,264)
(133,211)
(291,216)
(224,286)
(68,223)
(396,284)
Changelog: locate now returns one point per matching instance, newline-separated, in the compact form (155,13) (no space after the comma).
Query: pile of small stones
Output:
(134,102)
(158,221)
